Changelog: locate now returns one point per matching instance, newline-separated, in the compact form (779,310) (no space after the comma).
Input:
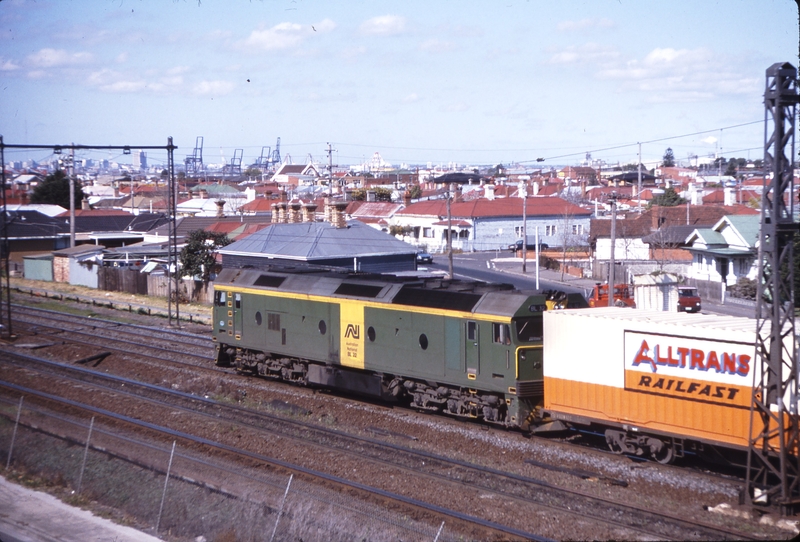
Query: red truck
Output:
(623,296)
(688,300)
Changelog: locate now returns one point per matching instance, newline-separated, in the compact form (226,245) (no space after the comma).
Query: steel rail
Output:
(240,412)
(172,433)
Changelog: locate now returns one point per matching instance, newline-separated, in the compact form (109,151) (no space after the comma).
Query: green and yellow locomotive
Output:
(468,349)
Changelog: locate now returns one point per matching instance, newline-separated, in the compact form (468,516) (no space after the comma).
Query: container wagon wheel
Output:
(614,439)
(661,451)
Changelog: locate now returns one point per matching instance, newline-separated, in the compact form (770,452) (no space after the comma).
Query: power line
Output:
(643,142)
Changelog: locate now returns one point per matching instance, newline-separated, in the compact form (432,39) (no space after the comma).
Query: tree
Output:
(415,191)
(669,158)
(198,256)
(253,172)
(730,171)
(381,194)
(669,198)
(55,190)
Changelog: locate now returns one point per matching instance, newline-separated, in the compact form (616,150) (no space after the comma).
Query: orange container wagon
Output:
(657,381)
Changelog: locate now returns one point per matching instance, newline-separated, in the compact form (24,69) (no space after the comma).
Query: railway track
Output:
(525,493)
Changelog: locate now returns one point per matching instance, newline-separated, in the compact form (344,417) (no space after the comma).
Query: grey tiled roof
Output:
(307,241)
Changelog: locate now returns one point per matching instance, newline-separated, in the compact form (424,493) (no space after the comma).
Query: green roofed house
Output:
(724,253)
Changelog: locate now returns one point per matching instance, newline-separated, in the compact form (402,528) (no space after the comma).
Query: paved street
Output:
(502,266)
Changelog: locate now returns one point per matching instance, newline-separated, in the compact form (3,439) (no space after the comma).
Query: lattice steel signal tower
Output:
(773,462)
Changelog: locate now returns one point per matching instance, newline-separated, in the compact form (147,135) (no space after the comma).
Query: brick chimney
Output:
(220,208)
(84,204)
(294,215)
(338,218)
(282,213)
(275,214)
(309,212)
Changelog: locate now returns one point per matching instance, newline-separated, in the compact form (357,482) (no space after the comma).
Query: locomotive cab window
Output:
(472,331)
(501,334)
(529,329)
(220,298)
(238,299)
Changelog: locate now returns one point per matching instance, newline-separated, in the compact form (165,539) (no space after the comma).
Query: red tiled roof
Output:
(258,204)
(506,207)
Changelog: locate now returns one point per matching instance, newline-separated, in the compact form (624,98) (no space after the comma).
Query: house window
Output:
(550,230)
(577,229)
(518,231)
(427,232)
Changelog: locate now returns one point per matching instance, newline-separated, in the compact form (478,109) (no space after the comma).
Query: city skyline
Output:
(470,83)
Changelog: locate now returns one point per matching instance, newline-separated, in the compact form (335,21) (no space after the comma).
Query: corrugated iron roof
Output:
(308,241)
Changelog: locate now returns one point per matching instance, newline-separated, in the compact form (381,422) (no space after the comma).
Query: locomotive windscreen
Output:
(529,329)
(437,299)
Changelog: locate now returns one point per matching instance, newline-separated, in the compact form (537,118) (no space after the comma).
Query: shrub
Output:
(744,288)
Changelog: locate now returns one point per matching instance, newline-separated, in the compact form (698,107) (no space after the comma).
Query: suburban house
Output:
(724,253)
(295,174)
(656,239)
(484,224)
(377,214)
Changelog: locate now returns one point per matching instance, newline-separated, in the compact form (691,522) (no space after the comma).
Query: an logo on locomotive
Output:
(353,331)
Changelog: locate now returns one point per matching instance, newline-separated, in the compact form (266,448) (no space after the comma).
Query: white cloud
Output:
(583,54)
(118,82)
(122,58)
(411,98)
(710,140)
(285,35)
(384,25)
(436,46)
(280,36)
(123,87)
(325,25)
(584,24)
(213,88)
(53,58)
(8,65)
(682,75)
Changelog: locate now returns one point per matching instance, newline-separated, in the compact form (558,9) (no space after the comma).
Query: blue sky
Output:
(477,82)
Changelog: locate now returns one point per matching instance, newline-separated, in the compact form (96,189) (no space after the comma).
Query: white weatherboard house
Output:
(726,251)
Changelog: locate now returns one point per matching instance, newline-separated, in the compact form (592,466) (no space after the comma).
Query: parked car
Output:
(688,299)
(530,246)
(424,257)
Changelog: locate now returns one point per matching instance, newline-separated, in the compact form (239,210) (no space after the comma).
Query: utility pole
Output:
(330,171)
(523,192)
(639,185)
(450,232)
(613,201)
(72,195)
